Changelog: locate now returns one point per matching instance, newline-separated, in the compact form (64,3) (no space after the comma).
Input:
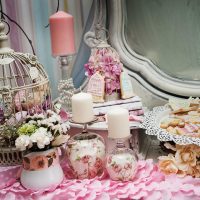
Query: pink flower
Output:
(85,159)
(98,163)
(106,61)
(117,168)
(39,162)
(127,166)
(92,173)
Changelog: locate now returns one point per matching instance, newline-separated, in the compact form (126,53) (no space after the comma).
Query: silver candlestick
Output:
(65,87)
(65,66)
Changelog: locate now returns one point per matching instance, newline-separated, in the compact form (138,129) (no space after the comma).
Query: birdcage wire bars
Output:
(24,90)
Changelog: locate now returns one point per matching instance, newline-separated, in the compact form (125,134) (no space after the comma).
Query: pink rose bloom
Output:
(85,159)
(98,163)
(117,168)
(92,173)
(127,166)
(107,62)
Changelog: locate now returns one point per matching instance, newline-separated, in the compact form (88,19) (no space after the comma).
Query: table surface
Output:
(147,184)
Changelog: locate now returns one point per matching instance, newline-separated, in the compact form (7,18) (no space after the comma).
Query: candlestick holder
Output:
(66,87)
(86,153)
(121,162)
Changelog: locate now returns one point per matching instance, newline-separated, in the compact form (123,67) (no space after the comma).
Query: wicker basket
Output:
(10,157)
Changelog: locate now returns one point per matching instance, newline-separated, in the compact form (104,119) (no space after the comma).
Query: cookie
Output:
(126,86)
(174,122)
(171,129)
(181,124)
(184,110)
(96,87)
(164,125)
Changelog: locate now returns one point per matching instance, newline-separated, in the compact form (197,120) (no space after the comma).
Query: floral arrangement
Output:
(41,132)
(185,161)
(105,61)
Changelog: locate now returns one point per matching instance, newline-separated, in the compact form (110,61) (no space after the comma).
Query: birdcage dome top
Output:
(24,84)
(18,70)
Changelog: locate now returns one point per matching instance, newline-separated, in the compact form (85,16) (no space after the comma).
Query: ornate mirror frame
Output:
(139,66)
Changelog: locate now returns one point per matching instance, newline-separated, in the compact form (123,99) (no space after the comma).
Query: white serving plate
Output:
(152,122)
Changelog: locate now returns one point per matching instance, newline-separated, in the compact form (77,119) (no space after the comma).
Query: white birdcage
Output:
(24,90)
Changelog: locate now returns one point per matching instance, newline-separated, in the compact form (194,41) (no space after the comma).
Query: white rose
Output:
(54,118)
(42,137)
(22,142)
(65,127)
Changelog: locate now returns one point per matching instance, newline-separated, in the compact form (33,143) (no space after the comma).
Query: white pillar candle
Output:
(82,107)
(118,123)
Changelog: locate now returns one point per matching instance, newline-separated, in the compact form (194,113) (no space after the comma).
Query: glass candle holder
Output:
(121,163)
(86,155)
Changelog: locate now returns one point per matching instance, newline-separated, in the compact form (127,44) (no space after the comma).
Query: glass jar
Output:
(86,155)
(121,163)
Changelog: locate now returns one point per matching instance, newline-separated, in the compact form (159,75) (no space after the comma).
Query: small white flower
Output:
(22,142)
(65,127)
(41,116)
(57,127)
(54,118)
(50,112)
(42,137)
(44,121)
(32,122)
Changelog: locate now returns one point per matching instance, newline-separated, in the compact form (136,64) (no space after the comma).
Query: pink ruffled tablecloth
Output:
(148,184)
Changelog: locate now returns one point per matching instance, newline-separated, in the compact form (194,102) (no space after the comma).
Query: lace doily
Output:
(152,121)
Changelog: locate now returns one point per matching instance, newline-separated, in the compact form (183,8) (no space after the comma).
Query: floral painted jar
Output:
(86,155)
(121,164)
(41,170)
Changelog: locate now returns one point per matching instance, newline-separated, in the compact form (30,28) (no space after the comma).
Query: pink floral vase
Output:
(86,155)
(121,164)
(41,170)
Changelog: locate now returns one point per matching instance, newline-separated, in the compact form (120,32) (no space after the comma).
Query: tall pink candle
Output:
(62,34)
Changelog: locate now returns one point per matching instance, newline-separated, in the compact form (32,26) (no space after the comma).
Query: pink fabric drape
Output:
(148,184)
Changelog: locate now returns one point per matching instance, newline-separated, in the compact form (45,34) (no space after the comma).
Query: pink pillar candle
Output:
(62,34)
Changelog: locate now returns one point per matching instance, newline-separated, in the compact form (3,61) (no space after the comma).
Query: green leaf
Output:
(50,161)
(78,158)
(27,160)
